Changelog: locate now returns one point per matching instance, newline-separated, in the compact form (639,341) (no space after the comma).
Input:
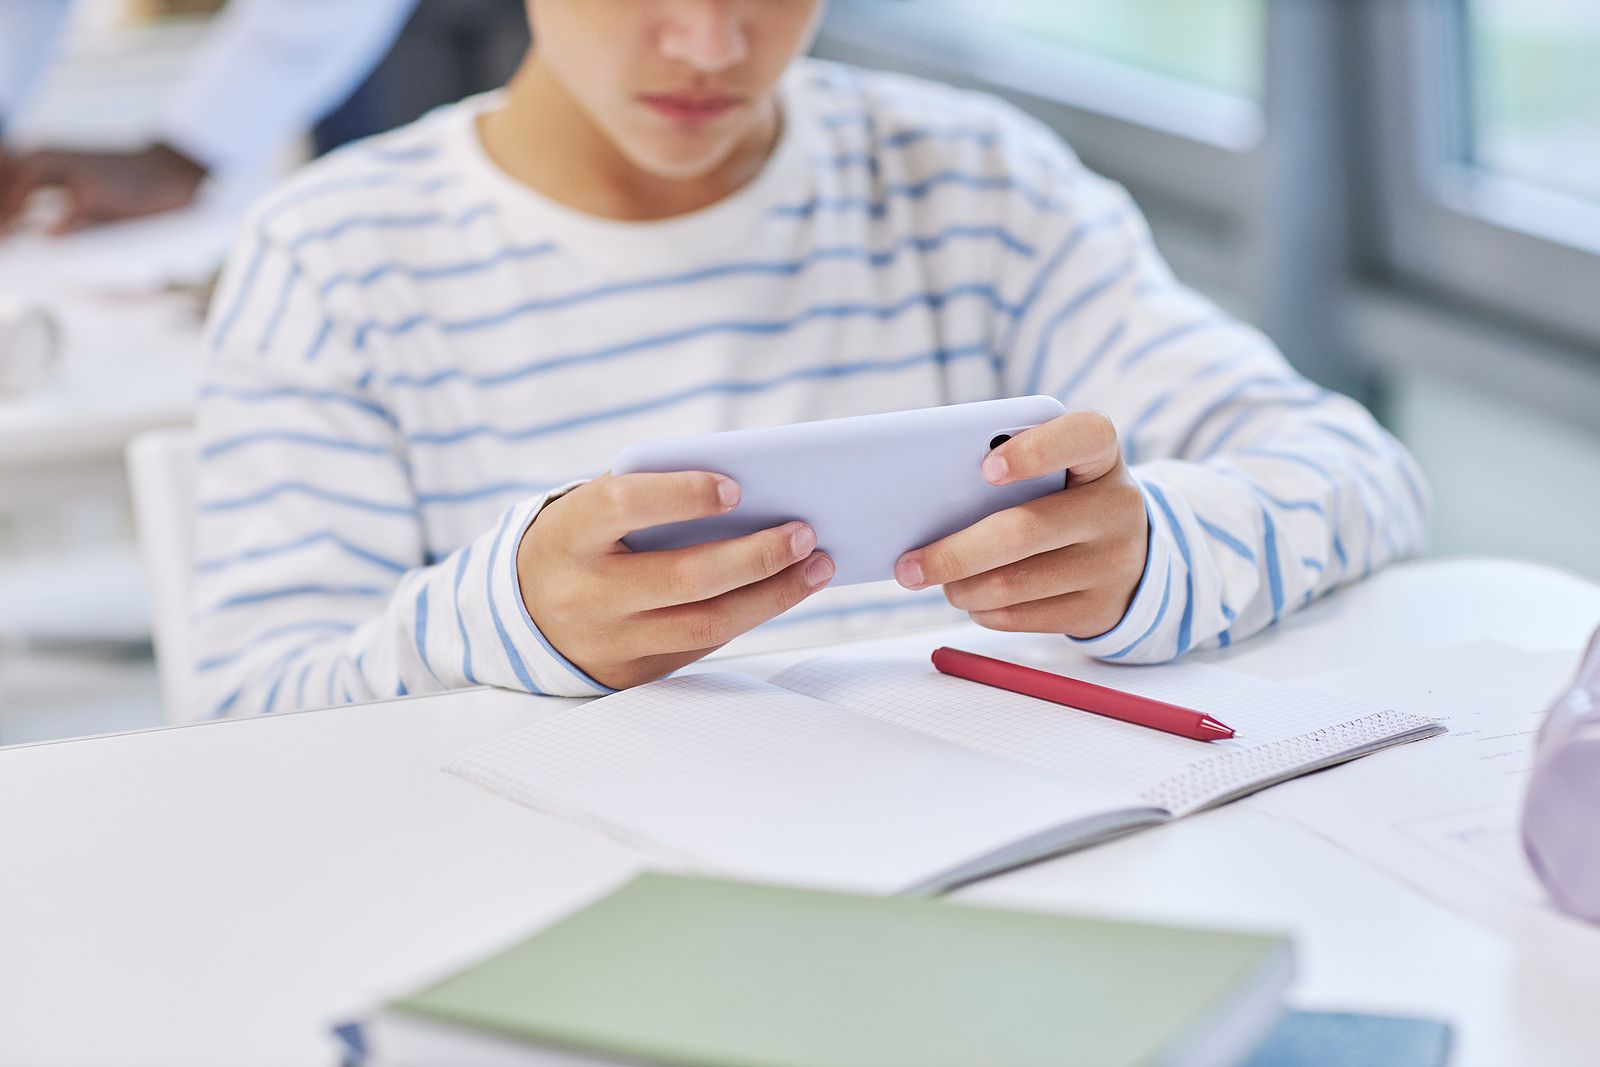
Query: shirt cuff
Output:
(1137,637)
(552,674)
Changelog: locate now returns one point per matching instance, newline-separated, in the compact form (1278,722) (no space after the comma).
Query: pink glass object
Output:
(1561,815)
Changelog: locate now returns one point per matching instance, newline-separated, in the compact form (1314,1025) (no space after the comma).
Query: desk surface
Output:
(220,893)
(129,348)
(126,367)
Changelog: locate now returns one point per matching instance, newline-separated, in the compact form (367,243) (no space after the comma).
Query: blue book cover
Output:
(1301,1039)
(1342,1039)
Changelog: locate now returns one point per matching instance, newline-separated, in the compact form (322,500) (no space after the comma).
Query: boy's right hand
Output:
(628,617)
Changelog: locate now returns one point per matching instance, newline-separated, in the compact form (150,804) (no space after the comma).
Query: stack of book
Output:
(688,971)
(675,970)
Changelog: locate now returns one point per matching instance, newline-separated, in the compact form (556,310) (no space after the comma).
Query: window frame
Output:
(1355,262)
(1510,248)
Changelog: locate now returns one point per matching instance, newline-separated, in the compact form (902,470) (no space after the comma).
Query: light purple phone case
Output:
(872,486)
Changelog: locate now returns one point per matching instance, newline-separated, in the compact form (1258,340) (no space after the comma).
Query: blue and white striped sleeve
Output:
(312,582)
(1262,489)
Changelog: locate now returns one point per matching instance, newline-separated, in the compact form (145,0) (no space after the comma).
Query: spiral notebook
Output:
(882,774)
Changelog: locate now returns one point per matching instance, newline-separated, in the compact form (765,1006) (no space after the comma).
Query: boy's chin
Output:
(680,161)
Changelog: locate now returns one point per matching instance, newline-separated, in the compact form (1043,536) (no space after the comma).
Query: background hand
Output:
(1066,563)
(101,186)
(8,165)
(626,617)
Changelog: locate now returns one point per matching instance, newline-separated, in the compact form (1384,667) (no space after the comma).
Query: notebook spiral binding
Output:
(1245,770)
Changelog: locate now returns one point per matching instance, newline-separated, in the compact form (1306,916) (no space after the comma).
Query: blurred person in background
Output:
(267,72)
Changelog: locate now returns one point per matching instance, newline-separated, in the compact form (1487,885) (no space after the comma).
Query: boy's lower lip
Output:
(684,110)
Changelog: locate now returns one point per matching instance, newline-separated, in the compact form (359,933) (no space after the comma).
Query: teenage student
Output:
(429,346)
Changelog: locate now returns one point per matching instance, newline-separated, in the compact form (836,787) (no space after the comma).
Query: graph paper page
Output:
(741,777)
(1280,729)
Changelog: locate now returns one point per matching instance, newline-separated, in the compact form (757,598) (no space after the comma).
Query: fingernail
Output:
(802,541)
(994,467)
(727,492)
(819,570)
(908,572)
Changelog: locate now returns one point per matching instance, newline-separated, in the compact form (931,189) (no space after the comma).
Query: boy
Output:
(668,223)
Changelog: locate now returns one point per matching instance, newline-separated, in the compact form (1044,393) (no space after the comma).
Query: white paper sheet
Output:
(1444,817)
(729,774)
(1281,730)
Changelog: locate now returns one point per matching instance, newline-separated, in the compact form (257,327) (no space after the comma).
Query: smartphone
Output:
(872,486)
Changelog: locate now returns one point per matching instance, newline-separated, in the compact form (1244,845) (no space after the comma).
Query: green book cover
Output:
(679,970)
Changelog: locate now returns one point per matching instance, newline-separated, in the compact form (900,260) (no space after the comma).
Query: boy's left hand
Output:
(1065,563)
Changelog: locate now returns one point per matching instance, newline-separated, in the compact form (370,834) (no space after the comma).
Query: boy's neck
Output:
(543,138)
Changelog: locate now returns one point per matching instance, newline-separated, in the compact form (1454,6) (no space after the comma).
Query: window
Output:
(1489,158)
(1387,183)
(1534,70)
(1215,44)
(1187,67)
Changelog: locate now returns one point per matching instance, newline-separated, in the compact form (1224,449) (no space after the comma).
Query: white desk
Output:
(127,366)
(129,358)
(129,352)
(218,894)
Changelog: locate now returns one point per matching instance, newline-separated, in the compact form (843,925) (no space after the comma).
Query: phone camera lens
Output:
(998,439)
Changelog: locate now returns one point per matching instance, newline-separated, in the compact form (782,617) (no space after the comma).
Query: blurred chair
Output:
(162,475)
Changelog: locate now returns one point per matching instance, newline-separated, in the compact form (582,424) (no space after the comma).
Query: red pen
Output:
(1086,696)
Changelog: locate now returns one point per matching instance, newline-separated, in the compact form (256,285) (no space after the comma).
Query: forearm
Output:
(1261,489)
(327,630)
(1300,504)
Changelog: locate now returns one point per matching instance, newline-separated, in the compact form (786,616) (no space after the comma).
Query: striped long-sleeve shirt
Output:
(410,351)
